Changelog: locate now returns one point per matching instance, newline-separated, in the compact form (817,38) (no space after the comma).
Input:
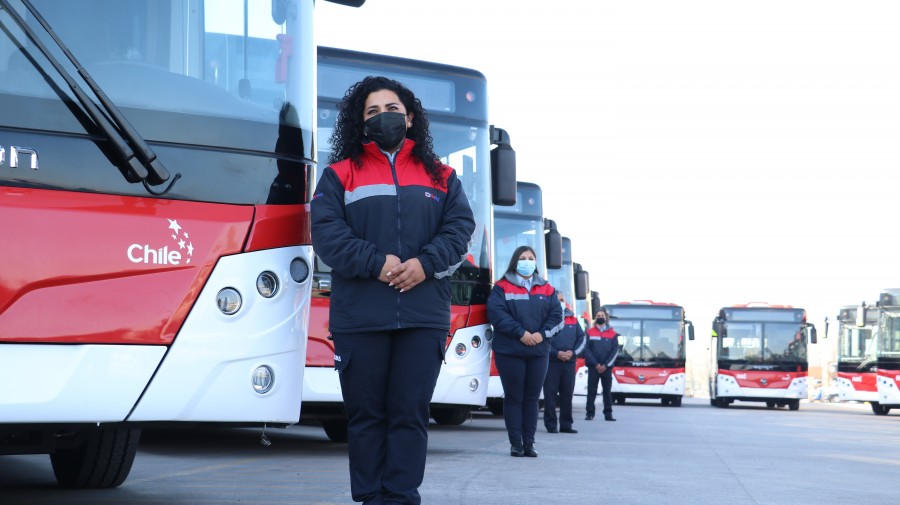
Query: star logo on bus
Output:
(181,239)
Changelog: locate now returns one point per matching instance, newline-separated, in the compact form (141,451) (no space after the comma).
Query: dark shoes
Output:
(516,450)
(552,430)
(609,417)
(568,430)
(529,451)
(589,416)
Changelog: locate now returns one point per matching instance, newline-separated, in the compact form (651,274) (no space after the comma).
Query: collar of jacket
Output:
(536,280)
(371,149)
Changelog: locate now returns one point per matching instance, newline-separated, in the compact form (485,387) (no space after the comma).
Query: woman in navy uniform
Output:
(560,380)
(525,312)
(393,223)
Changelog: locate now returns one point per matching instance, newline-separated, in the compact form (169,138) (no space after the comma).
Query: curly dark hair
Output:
(349,131)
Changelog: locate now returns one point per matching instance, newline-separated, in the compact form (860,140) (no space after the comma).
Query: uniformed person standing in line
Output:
(560,380)
(599,356)
(393,223)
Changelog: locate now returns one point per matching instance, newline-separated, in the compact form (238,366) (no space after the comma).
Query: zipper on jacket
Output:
(392,162)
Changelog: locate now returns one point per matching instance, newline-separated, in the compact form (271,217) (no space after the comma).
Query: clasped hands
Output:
(531,338)
(565,355)
(403,276)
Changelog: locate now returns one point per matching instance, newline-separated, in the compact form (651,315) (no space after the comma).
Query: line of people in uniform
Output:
(536,342)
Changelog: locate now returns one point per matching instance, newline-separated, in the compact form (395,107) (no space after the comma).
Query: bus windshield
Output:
(224,59)
(648,340)
(856,344)
(889,341)
(763,343)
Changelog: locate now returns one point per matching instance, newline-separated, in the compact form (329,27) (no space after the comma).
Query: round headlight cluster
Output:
(476,342)
(489,334)
(229,301)
(461,350)
(473,385)
(267,284)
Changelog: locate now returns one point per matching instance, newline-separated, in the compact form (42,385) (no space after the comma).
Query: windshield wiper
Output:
(132,150)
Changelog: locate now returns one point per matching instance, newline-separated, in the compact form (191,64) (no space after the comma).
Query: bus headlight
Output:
(476,342)
(489,334)
(473,385)
(299,270)
(267,284)
(263,379)
(461,350)
(229,301)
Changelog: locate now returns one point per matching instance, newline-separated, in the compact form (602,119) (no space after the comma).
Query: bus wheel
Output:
(450,416)
(879,409)
(102,460)
(721,403)
(666,402)
(770,405)
(335,429)
(676,401)
(495,406)
(794,405)
(620,399)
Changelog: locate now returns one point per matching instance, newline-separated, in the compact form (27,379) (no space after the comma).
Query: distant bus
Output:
(888,353)
(759,355)
(857,355)
(651,359)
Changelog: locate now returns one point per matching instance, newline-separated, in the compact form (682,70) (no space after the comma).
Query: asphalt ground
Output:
(694,454)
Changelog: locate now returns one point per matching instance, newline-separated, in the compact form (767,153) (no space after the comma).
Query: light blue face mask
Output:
(525,267)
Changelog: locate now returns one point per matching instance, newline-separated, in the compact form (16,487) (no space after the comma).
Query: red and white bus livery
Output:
(651,359)
(856,354)
(759,355)
(154,212)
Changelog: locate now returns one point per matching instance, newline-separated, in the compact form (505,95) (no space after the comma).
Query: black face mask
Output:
(386,129)
(601,320)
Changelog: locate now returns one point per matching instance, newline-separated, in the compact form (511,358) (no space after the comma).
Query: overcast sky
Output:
(705,153)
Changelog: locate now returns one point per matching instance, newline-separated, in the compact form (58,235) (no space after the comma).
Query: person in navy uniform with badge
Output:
(393,223)
(599,356)
(525,313)
(560,380)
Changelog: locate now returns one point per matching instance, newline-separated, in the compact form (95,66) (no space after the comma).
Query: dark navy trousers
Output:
(560,382)
(522,380)
(387,380)
(605,380)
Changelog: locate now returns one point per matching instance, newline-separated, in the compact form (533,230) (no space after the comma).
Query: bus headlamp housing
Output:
(476,342)
(263,379)
(299,270)
(267,284)
(229,301)
(461,350)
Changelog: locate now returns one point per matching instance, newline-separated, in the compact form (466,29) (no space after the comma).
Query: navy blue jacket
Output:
(602,347)
(513,310)
(570,338)
(361,213)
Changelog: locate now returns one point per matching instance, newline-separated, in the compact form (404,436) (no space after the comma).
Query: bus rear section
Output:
(154,199)
(651,358)
(856,355)
(455,99)
(759,355)
(888,353)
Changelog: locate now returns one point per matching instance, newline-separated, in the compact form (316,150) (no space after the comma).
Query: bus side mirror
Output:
(719,328)
(595,303)
(554,249)
(581,284)
(690,330)
(861,315)
(811,331)
(503,169)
